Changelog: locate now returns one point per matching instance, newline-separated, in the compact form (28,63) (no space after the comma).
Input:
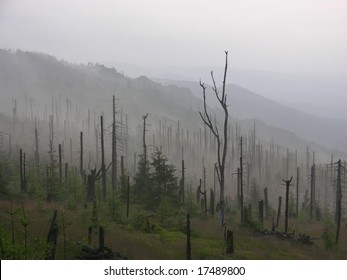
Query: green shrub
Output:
(328,234)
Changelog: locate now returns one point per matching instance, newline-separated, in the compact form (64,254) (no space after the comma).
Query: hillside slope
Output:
(246,104)
(36,80)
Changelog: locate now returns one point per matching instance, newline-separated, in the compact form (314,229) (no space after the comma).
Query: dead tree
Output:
(188,246)
(313,191)
(123,186)
(261,211)
(266,203)
(211,202)
(60,165)
(103,168)
(204,184)
(198,191)
(91,185)
(96,145)
(24,175)
(144,137)
(230,242)
(203,193)
(91,179)
(114,147)
(279,211)
(287,203)
(220,138)
(126,140)
(241,182)
(21,170)
(238,195)
(48,186)
(297,192)
(70,150)
(66,173)
(37,158)
(181,191)
(128,197)
(52,237)
(81,153)
(338,200)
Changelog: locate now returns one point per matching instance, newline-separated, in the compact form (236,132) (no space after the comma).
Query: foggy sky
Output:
(293,36)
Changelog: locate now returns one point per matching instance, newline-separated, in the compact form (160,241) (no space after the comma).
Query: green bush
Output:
(328,234)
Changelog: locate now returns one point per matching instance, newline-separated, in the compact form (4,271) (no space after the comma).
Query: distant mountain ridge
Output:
(319,97)
(41,78)
(246,104)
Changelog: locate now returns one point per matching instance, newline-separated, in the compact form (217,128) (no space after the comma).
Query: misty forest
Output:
(97,165)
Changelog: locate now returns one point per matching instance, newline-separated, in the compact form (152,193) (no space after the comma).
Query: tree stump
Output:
(230,242)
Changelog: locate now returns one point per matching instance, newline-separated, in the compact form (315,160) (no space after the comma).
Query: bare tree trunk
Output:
(128,197)
(97,146)
(114,147)
(238,193)
(91,185)
(21,170)
(37,158)
(60,166)
(204,192)
(204,199)
(287,204)
(144,137)
(287,163)
(266,203)
(313,190)
(103,168)
(126,141)
(338,201)
(279,211)
(188,246)
(52,237)
(222,141)
(230,242)
(81,153)
(261,211)
(212,202)
(71,150)
(24,175)
(135,163)
(66,173)
(182,181)
(241,182)
(297,192)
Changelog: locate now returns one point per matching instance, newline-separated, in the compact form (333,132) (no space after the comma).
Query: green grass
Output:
(132,239)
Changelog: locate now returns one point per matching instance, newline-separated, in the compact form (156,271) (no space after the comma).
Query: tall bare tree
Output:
(221,138)
(114,147)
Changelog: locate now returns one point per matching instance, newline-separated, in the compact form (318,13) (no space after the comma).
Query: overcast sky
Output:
(295,36)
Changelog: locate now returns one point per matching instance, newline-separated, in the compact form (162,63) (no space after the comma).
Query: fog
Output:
(303,37)
(115,84)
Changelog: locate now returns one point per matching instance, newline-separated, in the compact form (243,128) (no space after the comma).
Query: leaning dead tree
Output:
(221,138)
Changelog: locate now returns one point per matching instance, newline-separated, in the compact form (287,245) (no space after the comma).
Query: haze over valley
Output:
(152,130)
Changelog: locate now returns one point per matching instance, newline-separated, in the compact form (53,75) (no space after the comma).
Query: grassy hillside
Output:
(167,240)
